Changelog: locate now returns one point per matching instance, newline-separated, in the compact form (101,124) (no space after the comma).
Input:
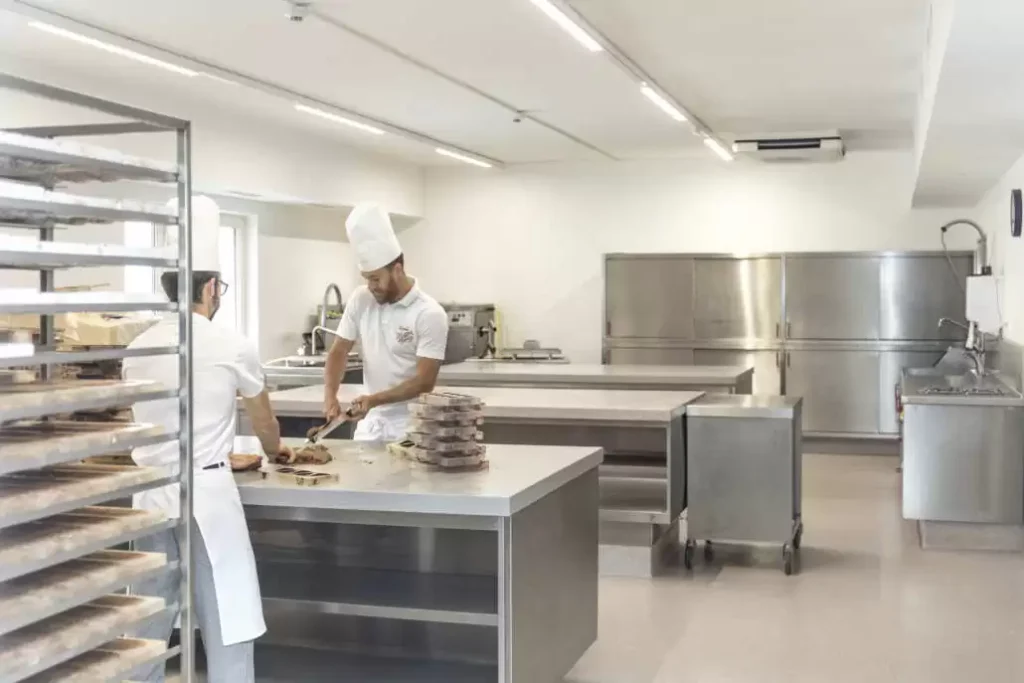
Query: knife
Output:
(323,432)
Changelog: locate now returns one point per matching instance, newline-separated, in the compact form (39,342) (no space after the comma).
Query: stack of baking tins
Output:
(63,611)
(445,432)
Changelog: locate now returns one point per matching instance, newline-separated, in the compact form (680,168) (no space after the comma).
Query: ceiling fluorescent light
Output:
(339,119)
(662,104)
(113,49)
(568,25)
(461,157)
(716,147)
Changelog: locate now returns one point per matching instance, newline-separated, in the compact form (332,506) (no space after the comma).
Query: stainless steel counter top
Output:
(738,405)
(582,374)
(521,403)
(933,388)
(372,480)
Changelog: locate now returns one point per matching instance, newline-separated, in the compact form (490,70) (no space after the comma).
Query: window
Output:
(231,305)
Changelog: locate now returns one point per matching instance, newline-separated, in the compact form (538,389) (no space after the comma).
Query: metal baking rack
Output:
(62,608)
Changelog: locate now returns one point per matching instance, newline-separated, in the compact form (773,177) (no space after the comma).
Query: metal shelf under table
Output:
(283,664)
(379,593)
(27,158)
(41,595)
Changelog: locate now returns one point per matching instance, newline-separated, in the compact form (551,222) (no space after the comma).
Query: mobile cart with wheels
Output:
(743,474)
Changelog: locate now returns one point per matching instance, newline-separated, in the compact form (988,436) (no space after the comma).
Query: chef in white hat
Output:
(224,365)
(402,332)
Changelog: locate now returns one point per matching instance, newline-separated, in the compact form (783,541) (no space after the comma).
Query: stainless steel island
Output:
(399,573)
(707,378)
(643,478)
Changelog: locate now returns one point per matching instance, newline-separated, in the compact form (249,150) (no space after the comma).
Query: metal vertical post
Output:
(185,402)
(47,333)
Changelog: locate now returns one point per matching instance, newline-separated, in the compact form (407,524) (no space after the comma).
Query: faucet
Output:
(974,344)
(322,326)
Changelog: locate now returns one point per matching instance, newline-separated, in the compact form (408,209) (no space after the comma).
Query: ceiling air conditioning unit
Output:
(792,149)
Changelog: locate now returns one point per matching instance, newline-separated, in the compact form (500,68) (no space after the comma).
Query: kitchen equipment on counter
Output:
(325,313)
(471,331)
(531,352)
(743,473)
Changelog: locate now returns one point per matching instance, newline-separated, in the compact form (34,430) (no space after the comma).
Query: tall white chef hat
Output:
(370,232)
(205,233)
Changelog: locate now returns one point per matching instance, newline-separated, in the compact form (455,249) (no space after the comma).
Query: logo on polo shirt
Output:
(403,335)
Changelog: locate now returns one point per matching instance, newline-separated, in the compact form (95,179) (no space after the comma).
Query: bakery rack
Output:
(63,606)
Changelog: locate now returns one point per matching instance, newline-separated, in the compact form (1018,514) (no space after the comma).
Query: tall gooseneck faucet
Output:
(323,315)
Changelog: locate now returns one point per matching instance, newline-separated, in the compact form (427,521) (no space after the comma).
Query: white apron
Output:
(217,509)
(377,426)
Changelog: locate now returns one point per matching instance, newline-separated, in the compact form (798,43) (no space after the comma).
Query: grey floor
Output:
(868,607)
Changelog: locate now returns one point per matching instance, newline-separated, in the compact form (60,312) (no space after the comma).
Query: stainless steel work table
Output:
(643,478)
(399,573)
(707,378)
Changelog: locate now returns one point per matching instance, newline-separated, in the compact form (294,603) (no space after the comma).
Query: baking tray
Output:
(37,399)
(32,445)
(35,494)
(41,595)
(31,301)
(299,475)
(28,548)
(50,642)
(21,252)
(29,206)
(18,355)
(47,162)
(109,662)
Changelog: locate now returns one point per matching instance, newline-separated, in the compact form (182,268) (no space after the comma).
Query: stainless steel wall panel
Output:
(737,298)
(916,291)
(649,297)
(832,297)
(767,366)
(648,356)
(839,388)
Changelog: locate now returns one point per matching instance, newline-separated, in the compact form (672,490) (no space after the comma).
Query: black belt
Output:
(216,466)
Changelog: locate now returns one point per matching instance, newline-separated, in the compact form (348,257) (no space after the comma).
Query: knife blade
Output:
(327,429)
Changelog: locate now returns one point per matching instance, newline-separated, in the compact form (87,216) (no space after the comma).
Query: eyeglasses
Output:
(222,287)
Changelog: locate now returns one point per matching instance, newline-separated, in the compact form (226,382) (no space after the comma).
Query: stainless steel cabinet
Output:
(737,298)
(840,389)
(832,297)
(649,297)
(916,291)
(648,356)
(766,364)
(890,367)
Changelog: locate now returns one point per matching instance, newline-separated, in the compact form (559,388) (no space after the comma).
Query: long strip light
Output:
(662,104)
(568,25)
(461,157)
(112,49)
(716,147)
(366,128)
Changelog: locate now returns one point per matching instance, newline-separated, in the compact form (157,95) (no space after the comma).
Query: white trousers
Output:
(224,663)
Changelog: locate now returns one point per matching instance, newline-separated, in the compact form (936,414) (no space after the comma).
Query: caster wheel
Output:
(787,560)
(709,551)
(688,555)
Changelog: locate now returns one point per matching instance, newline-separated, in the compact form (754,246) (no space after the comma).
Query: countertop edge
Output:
(567,474)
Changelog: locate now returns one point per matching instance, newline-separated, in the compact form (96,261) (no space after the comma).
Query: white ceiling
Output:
(456,70)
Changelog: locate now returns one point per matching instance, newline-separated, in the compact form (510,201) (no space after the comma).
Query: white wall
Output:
(531,240)
(1007,254)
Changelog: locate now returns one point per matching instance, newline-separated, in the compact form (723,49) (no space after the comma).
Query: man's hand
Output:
(332,408)
(361,406)
(284,455)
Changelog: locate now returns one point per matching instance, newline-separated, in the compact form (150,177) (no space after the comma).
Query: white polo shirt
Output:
(392,337)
